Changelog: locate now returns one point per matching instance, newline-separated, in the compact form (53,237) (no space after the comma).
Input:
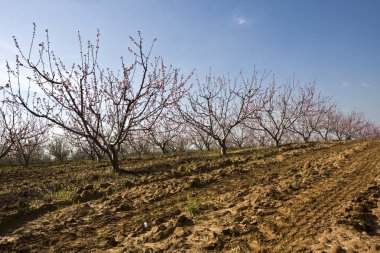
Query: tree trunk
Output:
(115,161)
(306,139)
(115,166)
(223,149)
(326,137)
(26,162)
(278,142)
(163,149)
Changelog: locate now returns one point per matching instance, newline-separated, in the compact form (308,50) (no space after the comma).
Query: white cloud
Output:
(240,20)
(345,84)
(364,85)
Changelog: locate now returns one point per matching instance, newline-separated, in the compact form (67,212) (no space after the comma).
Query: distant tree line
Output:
(148,106)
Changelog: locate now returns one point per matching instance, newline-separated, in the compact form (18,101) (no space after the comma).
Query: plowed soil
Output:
(315,197)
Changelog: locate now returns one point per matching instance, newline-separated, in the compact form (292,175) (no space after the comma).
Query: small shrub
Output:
(237,249)
(194,209)
(341,181)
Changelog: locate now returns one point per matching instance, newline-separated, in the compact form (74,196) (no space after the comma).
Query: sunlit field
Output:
(293,198)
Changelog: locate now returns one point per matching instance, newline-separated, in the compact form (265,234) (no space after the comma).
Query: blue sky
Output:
(336,43)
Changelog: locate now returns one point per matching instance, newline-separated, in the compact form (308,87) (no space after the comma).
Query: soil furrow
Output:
(327,200)
(267,200)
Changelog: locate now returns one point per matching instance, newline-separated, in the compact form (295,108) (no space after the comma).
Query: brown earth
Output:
(317,197)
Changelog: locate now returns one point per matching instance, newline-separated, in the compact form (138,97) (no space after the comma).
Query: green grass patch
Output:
(194,208)
(61,195)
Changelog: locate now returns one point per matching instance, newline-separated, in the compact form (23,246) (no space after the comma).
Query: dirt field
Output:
(318,197)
